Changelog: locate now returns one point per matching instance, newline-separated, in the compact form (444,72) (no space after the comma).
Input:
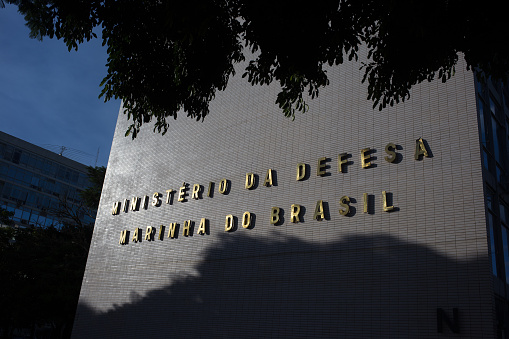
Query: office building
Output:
(348,222)
(34,182)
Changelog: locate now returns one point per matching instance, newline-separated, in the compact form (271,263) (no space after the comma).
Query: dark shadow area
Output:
(255,182)
(326,210)
(353,209)
(399,155)
(371,204)
(358,287)
(210,190)
(253,221)
(426,145)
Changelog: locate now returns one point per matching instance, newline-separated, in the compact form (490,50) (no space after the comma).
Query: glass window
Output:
(490,198)
(16,156)
(503,213)
(493,253)
(506,253)
(496,146)
(481,121)
(8,150)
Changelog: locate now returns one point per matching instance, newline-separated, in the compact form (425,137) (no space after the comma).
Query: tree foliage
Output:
(42,268)
(92,194)
(167,56)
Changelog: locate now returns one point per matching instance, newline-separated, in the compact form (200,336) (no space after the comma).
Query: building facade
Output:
(348,222)
(34,182)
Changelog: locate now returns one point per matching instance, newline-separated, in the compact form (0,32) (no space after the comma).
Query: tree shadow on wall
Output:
(359,287)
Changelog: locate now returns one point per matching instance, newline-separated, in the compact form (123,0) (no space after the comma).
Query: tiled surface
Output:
(376,275)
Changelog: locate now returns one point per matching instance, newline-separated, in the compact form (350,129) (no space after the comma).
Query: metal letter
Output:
(391,154)
(250,181)
(149,233)
(295,210)
(145,202)
(171,230)
(161,232)
(365,157)
(319,211)
(123,237)
(203,225)
(209,193)
(116,208)
(344,201)
(223,186)
(342,160)
(384,200)
(196,191)
(454,325)
(135,204)
(301,171)
(274,215)
(155,199)
(228,223)
(268,178)
(126,206)
(182,192)
(168,196)
(186,229)
(420,149)
(246,219)
(137,235)
(365,200)
(320,169)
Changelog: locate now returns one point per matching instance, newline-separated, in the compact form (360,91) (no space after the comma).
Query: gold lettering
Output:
(294,213)
(209,193)
(344,201)
(228,223)
(365,201)
(246,219)
(161,232)
(301,171)
(320,170)
(389,149)
(268,178)
(145,202)
(171,230)
(203,224)
(182,192)
(116,208)
(196,191)
(342,160)
(156,201)
(274,215)
(137,235)
(319,211)
(420,149)
(149,233)
(126,206)
(250,181)
(186,229)
(123,237)
(365,157)
(169,195)
(384,200)
(135,204)
(223,186)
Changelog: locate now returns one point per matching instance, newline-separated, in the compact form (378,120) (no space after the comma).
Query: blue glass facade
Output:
(35,181)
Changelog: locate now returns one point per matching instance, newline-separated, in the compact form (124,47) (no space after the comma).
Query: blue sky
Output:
(49,96)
